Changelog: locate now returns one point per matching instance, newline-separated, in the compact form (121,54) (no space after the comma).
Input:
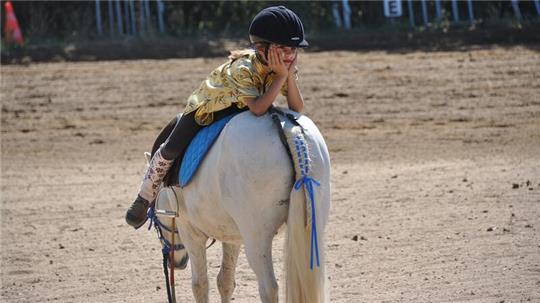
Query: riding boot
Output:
(156,171)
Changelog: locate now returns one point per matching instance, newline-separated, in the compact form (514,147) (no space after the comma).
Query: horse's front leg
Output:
(195,244)
(225,279)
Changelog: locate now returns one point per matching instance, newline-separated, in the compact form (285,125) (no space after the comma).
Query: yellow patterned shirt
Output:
(233,82)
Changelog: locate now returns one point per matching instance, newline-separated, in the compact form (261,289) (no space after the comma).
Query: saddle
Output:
(199,147)
(185,166)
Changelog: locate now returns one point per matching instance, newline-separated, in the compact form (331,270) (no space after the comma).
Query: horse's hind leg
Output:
(259,255)
(225,279)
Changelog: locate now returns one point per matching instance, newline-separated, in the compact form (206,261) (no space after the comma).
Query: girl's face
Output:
(288,54)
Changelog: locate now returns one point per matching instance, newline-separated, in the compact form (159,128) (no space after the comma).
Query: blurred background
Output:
(430,110)
(112,29)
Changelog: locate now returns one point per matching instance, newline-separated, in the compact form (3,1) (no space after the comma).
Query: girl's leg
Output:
(175,145)
(164,134)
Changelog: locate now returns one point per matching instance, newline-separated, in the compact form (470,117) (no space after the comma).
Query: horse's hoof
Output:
(183,263)
(136,214)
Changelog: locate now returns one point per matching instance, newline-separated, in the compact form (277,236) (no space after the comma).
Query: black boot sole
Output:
(136,226)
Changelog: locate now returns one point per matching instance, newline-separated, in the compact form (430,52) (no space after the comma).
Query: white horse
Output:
(242,194)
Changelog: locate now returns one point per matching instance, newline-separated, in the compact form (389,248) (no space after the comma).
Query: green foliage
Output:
(75,20)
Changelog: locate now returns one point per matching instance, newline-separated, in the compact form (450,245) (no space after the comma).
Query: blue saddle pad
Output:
(198,148)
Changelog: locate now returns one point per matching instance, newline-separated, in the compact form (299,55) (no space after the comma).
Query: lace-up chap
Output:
(156,171)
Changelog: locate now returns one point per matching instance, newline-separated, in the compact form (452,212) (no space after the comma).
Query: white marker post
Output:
(335,14)
(147,10)
(132,18)
(111,17)
(142,18)
(425,16)
(392,8)
(127,24)
(455,11)
(160,11)
(438,10)
(517,12)
(119,17)
(98,18)
(411,12)
(471,13)
(346,14)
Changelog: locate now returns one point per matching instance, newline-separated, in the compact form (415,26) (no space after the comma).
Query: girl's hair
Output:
(235,54)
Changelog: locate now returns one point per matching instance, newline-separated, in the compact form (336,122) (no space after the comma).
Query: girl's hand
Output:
(276,64)
(292,67)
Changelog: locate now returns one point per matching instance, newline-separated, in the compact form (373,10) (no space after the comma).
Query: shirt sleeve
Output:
(284,89)
(243,82)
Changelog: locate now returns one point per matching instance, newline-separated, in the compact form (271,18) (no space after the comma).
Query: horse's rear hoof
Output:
(183,263)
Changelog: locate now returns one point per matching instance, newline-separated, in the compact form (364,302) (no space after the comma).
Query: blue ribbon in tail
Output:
(308,183)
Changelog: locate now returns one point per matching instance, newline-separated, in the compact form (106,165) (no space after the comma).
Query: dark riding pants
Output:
(179,132)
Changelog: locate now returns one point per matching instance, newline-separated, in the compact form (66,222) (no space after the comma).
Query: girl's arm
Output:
(260,105)
(295,101)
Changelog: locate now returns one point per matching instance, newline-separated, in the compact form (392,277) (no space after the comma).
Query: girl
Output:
(251,79)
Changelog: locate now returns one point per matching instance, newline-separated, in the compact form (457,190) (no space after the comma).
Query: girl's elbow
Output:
(256,111)
(257,108)
(254,108)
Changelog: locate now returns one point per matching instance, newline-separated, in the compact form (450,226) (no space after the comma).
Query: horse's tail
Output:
(306,276)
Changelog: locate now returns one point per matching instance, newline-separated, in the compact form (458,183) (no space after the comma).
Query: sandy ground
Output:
(436,176)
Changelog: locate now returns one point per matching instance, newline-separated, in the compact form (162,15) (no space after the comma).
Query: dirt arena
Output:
(436,176)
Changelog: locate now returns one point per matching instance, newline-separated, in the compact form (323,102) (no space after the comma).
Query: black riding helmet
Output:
(279,25)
